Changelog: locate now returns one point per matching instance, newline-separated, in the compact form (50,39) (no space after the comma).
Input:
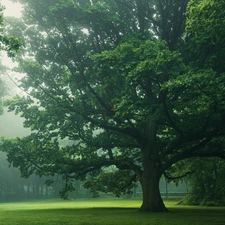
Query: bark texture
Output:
(152,200)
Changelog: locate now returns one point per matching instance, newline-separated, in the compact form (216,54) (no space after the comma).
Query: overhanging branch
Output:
(177,177)
(197,150)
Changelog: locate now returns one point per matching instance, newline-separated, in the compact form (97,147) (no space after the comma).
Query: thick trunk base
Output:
(153,208)
(152,171)
(152,200)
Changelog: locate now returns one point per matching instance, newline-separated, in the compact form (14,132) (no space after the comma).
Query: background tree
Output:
(204,179)
(8,43)
(117,79)
(11,45)
(13,187)
(206,182)
(205,27)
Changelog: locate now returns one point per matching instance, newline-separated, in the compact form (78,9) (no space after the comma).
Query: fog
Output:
(11,125)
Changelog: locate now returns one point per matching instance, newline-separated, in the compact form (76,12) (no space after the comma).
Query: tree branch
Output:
(177,177)
(194,151)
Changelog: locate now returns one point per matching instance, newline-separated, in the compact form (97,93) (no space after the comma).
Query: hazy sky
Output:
(12,9)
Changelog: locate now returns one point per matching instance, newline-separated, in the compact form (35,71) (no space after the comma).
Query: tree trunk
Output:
(152,200)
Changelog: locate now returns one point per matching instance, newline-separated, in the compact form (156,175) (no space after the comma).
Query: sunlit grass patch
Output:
(81,203)
(105,212)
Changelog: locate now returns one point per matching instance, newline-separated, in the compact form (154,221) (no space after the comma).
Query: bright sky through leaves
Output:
(12,9)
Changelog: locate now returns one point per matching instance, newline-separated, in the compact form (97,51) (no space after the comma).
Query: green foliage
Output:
(206,182)
(133,65)
(10,44)
(111,180)
(206,20)
(205,28)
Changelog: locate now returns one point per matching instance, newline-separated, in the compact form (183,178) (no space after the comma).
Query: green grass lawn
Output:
(105,212)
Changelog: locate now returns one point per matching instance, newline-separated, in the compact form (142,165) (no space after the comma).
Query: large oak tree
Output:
(119,79)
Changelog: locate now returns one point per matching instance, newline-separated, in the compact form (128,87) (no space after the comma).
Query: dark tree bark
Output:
(152,201)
